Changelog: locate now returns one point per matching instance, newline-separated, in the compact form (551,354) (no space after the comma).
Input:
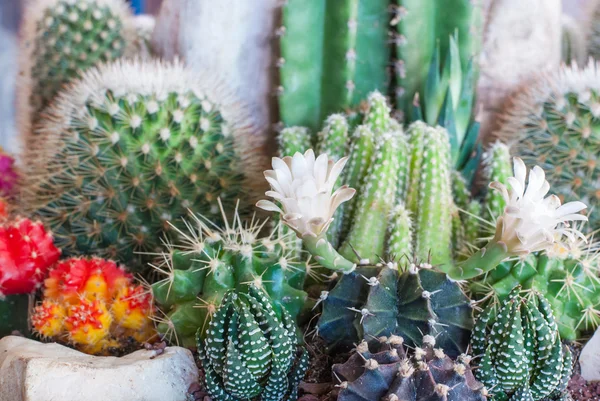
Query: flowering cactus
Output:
(95,303)
(26,253)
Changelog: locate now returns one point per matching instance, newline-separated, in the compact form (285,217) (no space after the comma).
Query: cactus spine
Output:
(131,147)
(332,69)
(250,351)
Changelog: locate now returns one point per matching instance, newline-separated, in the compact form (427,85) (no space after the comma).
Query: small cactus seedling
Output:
(95,305)
(27,251)
(209,262)
(555,124)
(132,146)
(249,351)
(385,370)
(61,39)
(523,357)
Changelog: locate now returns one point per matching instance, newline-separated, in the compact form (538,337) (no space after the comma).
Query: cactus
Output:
(497,166)
(387,371)
(27,251)
(554,124)
(523,357)
(331,70)
(8,175)
(210,261)
(411,302)
(131,147)
(95,305)
(249,351)
(61,39)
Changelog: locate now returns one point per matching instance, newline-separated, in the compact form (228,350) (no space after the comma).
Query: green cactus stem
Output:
(14,314)
(497,167)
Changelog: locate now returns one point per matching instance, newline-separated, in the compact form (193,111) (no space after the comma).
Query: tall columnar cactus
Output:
(209,262)
(523,357)
(345,57)
(249,351)
(63,38)
(386,370)
(497,167)
(27,251)
(555,124)
(133,146)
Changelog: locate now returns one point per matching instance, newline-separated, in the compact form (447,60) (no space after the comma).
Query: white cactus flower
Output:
(303,186)
(531,221)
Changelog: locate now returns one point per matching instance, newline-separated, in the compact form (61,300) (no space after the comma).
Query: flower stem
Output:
(484,260)
(325,254)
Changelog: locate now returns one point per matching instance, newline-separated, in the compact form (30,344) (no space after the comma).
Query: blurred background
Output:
(10,14)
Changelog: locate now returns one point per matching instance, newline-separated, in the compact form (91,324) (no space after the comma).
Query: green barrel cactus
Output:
(250,352)
(331,70)
(555,124)
(61,39)
(132,146)
(208,262)
(523,357)
(386,370)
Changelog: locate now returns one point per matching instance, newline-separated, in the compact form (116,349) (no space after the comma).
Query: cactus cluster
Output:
(94,305)
(61,39)
(130,147)
(554,124)
(386,370)
(250,351)
(523,357)
(27,251)
(208,262)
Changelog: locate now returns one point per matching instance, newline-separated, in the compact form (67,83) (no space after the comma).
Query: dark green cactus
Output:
(129,148)
(387,371)
(209,262)
(523,357)
(249,351)
(331,70)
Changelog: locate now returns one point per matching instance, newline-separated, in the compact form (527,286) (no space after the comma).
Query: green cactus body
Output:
(555,124)
(332,69)
(14,314)
(497,168)
(523,356)
(250,351)
(386,369)
(129,148)
(400,234)
(210,262)
(61,40)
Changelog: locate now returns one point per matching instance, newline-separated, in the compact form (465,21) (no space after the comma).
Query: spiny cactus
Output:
(208,262)
(409,302)
(27,251)
(555,124)
(8,175)
(497,167)
(249,351)
(132,146)
(345,57)
(63,38)
(94,304)
(385,370)
(523,357)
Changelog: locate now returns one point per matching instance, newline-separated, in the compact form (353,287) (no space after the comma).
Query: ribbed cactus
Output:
(208,262)
(131,147)
(61,39)
(555,124)
(331,70)
(386,370)
(497,166)
(249,351)
(523,357)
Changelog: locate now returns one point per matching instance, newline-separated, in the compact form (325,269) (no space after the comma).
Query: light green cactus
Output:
(497,165)
(131,147)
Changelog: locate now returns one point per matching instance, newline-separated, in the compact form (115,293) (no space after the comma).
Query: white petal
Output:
(268,206)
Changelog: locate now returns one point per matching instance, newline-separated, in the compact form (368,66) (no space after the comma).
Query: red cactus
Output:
(8,175)
(26,253)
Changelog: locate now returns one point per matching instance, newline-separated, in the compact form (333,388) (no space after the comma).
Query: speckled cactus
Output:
(133,146)
(61,39)
(249,351)
(523,357)
(331,70)
(208,262)
(386,370)
(555,123)
(94,305)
